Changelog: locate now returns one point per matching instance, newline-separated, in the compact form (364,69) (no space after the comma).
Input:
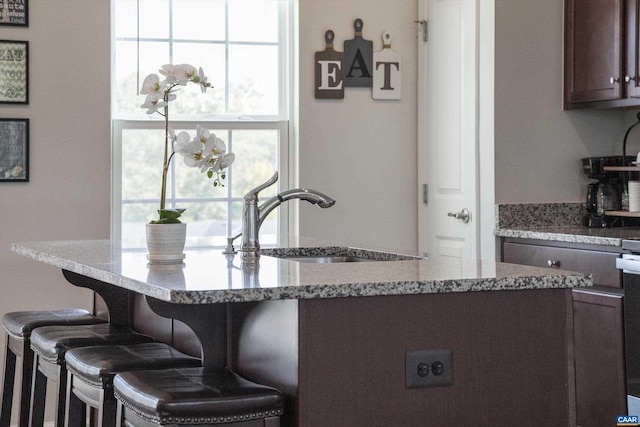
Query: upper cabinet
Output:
(601,54)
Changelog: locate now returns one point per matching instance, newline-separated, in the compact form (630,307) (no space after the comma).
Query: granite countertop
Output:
(559,222)
(572,234)
(208,276)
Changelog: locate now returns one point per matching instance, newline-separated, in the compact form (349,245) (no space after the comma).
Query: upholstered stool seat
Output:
(194,396)
(91,371)
(18,326)
(50,343)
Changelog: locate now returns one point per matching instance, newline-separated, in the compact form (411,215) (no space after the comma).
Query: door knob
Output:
(629,79)
(463,215)
(613,80)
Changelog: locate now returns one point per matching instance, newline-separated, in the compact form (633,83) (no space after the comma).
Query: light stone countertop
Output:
(572,234)
(557,222)
(208,276)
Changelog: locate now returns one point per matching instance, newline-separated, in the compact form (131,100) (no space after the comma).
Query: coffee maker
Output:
(605,193)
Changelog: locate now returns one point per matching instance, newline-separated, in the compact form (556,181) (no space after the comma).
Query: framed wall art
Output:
(14,12)
(14,150)
(14,72)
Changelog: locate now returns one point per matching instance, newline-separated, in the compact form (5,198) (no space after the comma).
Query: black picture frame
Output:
(14,72)
(14,150)
(14,13)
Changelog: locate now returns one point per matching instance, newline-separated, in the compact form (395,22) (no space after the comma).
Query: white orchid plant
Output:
(205,151)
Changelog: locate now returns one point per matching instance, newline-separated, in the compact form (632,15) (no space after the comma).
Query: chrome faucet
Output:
(253,216)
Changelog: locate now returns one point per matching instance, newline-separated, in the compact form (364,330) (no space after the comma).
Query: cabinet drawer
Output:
(602,265)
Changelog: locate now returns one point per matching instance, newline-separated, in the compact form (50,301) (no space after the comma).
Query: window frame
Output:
(283,123)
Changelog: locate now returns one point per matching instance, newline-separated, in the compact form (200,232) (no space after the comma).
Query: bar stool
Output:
(50,343)
(194,396)
(90,372)
(18,326)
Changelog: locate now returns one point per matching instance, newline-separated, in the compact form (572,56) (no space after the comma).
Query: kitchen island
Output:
(334,337)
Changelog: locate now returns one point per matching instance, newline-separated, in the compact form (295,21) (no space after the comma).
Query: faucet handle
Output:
(252,195)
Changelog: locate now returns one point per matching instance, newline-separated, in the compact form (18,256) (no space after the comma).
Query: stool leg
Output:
(25,389)
(76,410)
(7,388)
(61,395)
(107,410)
(119,414)
(38,395)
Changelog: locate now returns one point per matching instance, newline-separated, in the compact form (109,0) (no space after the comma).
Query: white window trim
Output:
(119,125)
(288,164)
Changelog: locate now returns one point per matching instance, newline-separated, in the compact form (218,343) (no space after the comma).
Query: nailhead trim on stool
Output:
(191,396)
(91,371)
(50,343)
(18,326)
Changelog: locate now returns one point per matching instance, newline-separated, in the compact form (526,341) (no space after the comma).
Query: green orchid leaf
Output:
(169,216)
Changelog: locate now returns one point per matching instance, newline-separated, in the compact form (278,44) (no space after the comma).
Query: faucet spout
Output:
(312,196)
(253,216)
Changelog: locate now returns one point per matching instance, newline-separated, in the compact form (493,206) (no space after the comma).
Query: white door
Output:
(449,130)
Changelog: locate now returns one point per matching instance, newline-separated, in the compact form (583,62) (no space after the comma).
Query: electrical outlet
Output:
(429,368)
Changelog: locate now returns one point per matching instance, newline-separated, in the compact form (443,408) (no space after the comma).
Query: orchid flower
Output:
(206,151)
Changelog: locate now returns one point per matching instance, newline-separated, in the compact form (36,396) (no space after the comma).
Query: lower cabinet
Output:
(598,328)
(599,358)
(598,262)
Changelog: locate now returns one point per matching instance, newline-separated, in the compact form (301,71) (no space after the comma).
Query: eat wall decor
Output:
(357,66)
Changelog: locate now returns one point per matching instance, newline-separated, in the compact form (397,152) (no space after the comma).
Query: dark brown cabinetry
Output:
(598,331)
(599,362)
(599,263)
(601,54)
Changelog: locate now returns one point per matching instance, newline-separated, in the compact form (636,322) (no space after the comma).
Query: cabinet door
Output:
(593,50)
(632,75)
(602,265)
(599,358)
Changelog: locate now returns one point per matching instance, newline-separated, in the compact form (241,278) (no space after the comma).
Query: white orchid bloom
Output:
(223,162)
(152,103)
(202,80)
(179,74)
(205,151)
(202,134)
(215,146)
(181,142)
(153,86)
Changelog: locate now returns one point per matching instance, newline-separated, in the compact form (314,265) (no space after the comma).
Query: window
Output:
(243,47)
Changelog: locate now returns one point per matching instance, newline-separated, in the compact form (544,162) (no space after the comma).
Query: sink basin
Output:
(333,254)
(328,259)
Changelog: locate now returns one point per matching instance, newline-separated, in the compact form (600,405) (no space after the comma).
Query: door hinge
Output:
(424,28)
(425,194)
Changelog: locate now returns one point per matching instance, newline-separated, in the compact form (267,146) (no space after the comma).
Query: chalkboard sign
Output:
(14,150)
(14,12)
(14,72)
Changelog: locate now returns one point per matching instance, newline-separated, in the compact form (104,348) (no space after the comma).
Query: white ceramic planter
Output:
(165,242)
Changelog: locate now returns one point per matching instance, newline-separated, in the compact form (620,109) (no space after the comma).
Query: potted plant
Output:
(166,235)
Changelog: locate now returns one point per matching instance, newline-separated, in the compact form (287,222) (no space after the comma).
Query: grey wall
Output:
(69,190)
(362,152)
(538,145)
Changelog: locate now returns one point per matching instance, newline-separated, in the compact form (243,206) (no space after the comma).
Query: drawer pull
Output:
(555,263)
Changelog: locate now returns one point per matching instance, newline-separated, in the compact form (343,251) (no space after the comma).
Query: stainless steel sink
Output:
(328,259)
(334,254)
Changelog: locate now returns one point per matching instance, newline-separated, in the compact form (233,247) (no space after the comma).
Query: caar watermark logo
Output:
(627,420)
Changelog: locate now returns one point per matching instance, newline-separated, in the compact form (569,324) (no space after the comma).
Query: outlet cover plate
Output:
(415,358)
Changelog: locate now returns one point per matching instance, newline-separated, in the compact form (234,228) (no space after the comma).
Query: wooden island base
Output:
(341,361)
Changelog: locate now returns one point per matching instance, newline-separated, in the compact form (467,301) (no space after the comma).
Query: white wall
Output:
(68,193)
(360,151)
(538,145)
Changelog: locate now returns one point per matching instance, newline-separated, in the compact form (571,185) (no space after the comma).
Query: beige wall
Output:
(360,151)
(538,145)
(69,190)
